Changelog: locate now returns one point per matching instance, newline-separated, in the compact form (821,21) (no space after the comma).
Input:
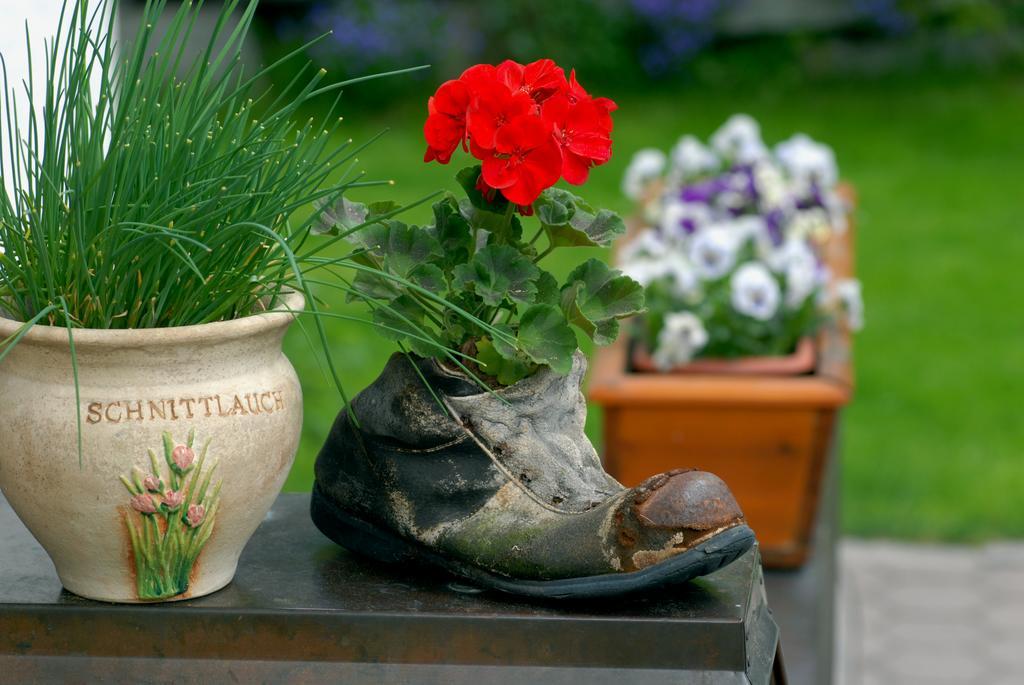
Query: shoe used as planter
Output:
(504,490)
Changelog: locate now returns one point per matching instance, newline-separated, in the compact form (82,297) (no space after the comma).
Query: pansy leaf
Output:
(497,272)
(545,337)
(595,296)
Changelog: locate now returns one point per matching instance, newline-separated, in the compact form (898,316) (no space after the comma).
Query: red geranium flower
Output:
(445,127)
(540,80)
(493,106)
(525,160)
(479,74)
(583,131)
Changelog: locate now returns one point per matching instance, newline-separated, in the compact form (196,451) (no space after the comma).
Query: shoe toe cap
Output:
(686,499)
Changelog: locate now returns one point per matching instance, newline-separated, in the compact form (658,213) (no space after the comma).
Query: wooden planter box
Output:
(768,437)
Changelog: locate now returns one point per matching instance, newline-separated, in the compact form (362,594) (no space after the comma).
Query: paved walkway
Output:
(911,614)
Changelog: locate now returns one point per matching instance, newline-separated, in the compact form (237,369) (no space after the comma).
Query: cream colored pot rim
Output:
(290,306)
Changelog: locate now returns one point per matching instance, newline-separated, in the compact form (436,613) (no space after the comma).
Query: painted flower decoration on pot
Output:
(731,257)
(143,504)
(182,457)
(173,500)
(528,127)
(174,526)
(195,515)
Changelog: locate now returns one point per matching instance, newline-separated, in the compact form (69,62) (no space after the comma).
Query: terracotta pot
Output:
(187,436)
(802,360)
(766,434)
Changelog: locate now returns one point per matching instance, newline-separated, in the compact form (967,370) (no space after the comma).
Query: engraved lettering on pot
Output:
(255,403)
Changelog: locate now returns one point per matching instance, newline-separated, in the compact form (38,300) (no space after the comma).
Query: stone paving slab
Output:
(910,614)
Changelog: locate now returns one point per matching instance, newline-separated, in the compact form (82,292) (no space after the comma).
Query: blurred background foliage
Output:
(646,43)
(922,101)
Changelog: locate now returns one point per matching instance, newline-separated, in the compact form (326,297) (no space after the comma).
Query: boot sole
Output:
(368,540)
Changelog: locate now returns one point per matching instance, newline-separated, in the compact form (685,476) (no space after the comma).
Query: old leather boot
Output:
(506,491)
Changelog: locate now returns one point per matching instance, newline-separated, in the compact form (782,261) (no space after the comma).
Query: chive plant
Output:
(152,188)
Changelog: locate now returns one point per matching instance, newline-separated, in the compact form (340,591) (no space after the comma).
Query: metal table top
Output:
(301,608)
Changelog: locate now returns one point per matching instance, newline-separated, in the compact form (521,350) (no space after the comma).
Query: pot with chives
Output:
(152,255)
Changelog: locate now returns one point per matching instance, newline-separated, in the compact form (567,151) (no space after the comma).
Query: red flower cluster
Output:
(527,124)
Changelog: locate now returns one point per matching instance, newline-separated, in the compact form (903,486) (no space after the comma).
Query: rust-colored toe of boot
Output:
(673,513)
(686,500)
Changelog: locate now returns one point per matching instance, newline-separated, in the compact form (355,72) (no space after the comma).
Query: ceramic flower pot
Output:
(187,436)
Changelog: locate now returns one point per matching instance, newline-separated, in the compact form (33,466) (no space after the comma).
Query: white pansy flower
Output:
(802,279)
(681,337)
(749,227)
(685,282)
(739,140)
(647,242)
(676,213)
(646,269)
(849,294)
(770,185)
(751,152)
(645,166)
(808,160)
(713,251)
(690,158)
(813,224)
(793,251)
(754,291)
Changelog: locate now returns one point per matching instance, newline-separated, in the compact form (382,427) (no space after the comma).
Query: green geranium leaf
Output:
(402,320)
(338,216)
(596,295)
(505,349)
(545,337)
(606,331)
(452,231)
(547,289)
(601,229)
(379,209)
(373,238)
(399,318)
(429,277)
(554,207)
(507,371)
(408,247)
(497,272)
(570,222)
(370,285)
(493,223)
(467,178)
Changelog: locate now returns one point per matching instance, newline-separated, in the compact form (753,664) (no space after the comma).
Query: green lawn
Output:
(933,445)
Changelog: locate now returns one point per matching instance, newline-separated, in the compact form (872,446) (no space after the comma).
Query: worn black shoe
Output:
(505,490)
